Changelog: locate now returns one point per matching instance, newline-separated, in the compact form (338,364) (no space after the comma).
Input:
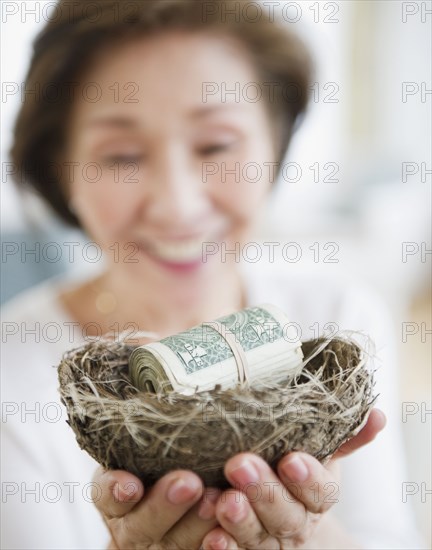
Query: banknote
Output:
(254,344)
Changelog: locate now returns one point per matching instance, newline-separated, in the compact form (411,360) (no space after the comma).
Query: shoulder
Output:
(31,303)
(35,331)
(41,303)
(323,301)
(317,294)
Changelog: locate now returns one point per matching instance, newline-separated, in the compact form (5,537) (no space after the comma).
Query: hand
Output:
(176,513)
(268,512)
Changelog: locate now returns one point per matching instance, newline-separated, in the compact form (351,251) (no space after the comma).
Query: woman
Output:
(131,149)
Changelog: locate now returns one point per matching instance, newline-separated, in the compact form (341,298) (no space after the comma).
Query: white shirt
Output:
(46,477)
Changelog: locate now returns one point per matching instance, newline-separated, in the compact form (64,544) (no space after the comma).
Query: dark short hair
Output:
(78,29)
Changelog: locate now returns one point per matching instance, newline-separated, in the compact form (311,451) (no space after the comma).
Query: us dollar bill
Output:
(200,358)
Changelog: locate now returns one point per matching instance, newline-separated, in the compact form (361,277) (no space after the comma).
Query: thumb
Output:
(115,492)
(375,423)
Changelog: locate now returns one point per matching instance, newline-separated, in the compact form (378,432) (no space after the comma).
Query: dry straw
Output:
(149,434)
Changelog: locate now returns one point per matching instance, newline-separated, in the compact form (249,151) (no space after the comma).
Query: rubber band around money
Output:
(238,352)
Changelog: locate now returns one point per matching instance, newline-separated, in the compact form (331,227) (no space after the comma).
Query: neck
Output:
(173,310)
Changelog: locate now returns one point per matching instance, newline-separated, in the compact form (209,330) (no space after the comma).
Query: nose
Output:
(176,198)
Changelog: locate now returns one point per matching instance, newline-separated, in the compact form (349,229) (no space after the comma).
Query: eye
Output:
(123,159)
(215,148)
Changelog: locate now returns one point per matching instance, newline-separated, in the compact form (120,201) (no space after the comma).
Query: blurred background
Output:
(357,179)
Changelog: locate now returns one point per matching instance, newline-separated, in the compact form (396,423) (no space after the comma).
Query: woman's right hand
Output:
(176,513)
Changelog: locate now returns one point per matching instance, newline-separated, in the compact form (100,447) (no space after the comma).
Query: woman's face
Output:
(165,175)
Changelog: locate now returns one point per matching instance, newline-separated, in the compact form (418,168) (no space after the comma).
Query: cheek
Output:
(241,199)
(241,188)
(105,208)
(249,172)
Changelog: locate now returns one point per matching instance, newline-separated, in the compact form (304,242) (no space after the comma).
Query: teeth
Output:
(184,251)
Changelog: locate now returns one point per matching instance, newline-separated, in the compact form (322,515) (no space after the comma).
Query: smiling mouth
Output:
(185,251)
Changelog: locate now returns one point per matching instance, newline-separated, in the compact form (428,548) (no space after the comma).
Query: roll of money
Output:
(254,344)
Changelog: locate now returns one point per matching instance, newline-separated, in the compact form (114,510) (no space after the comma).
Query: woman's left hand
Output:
(265,511)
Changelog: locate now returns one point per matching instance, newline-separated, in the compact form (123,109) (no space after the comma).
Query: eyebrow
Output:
(127,123)
(209,109)
(112,121)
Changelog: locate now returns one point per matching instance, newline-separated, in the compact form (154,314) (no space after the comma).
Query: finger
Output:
(115,492)
(237,517)
(218,539)
(192,528)
(376,422)
(280,512)
(165,503)
(311,483)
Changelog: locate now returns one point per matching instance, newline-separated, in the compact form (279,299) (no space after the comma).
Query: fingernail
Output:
(124,493)
(245,473)
(207,508)
(237,513)
(180,492)
(295,469)
(219,543)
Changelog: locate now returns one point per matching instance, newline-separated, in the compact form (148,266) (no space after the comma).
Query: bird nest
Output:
(150,434)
